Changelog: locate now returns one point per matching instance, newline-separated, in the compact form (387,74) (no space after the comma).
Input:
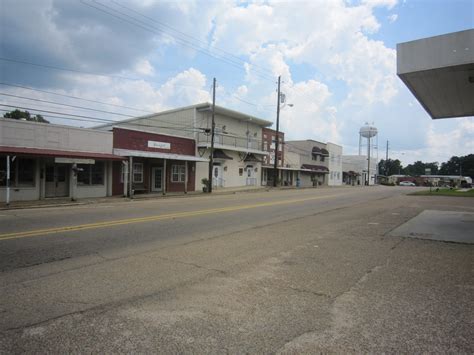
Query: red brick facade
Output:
(267,141)
(138,141)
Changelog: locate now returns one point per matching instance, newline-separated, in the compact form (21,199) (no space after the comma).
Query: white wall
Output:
(358,163)
(335,164)
(26,134)
(230,170)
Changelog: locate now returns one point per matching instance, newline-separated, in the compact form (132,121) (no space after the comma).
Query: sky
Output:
(336,59)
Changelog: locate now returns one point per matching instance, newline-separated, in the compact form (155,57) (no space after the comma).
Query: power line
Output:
(187,35)
(136,22)
(87,73)
(96,119)
(67,105)
(73,97)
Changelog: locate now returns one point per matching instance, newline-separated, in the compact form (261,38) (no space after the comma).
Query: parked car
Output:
(407,183)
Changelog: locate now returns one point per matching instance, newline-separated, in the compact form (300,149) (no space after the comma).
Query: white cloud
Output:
(392,18)
(144,67)
(380,3)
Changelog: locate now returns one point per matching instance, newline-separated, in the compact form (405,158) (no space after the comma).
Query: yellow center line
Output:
(80,227)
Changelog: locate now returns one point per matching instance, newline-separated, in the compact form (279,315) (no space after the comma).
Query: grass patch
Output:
(444,192)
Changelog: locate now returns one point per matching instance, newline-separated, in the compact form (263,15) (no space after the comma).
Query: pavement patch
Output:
(446,226)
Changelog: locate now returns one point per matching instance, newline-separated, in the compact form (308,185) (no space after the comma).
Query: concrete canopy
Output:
(439,71)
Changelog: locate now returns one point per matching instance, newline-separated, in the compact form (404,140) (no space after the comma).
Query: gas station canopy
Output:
(439,71)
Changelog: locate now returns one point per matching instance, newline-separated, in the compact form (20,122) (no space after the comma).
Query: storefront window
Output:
(91,174)
(22,172)
(178,173)
(138,172)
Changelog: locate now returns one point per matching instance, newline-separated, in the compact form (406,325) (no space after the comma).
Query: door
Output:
(217,179)
(251,180)
(156,179)
(57,180)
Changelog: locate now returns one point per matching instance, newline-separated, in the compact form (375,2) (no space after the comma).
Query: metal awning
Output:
(219,154)
(58,153)
(315,168)
(252,158)
(157,155)
(232,148)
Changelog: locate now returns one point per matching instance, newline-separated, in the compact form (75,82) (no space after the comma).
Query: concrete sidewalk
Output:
(64,202)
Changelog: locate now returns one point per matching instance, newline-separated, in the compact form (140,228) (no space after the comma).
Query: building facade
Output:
(54,161)
(238,154)
(355,169)
(269,137)
(313,160)
(334,164)
(153,163)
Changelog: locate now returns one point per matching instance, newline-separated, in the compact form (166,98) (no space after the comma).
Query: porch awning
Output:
(219,154)
(58,153)
(157,155)
(252,158)
(315,168)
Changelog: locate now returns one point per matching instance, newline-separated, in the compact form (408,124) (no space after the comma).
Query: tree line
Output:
(463,165)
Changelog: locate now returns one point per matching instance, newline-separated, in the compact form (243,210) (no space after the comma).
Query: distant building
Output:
(355,170)
(313,160)
(335,164)
(269,137)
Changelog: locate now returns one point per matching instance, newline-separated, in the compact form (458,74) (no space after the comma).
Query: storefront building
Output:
(154,163)
(269,137)
(53,161)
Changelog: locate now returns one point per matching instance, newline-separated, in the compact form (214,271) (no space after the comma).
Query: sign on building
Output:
(159,145)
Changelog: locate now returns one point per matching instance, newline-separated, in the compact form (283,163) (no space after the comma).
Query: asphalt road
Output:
(298,271)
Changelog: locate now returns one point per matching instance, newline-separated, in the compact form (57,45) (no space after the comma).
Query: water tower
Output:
(368,137)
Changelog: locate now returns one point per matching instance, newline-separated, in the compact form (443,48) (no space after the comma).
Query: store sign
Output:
(73,161)
(159,145)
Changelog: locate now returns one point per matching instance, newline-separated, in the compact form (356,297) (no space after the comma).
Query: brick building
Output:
(154,162)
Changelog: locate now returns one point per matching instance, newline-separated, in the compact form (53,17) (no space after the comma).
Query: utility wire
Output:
(97,119)
(136,22)
(74,97)
(86,72)
(186,35)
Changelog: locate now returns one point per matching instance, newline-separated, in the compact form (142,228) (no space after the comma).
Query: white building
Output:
(237,144)
(355,168)
(50,161)
(334,164)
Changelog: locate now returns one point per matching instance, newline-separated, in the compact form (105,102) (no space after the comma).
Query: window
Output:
(22,172)
(178,173)
(265,146)
(322,158)
(314,157)
(138,172)
(241,171)
(91,174)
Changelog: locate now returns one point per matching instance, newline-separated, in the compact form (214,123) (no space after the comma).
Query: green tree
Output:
(419,168)
(390,167)
(459,166)
(24,115)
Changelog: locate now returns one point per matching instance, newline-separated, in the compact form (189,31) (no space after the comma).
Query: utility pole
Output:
(368,162)
(213,127)
(8,181)
(275,166)
(386,160)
